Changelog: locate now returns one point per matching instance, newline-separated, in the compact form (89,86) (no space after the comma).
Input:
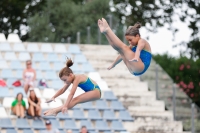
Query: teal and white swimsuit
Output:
(88,85)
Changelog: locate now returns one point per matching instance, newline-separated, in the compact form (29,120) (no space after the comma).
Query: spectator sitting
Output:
(69,131)
(84,129)
(29,76)
(34,105)
(49,128)
(19,106)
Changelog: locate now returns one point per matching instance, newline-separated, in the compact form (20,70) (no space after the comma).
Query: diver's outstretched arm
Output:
(139,48)
(117,60)
(58,93)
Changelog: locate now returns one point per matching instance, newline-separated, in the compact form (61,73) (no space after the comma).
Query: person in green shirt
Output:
(19,106)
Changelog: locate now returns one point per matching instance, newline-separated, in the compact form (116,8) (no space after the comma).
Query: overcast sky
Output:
(162,41)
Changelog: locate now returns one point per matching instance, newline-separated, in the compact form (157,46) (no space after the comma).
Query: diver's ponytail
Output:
(137,25)
(66,70)
(133,30)
(69,62)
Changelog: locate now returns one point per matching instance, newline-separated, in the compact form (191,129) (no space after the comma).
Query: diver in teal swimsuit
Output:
(137,56)
(92,90)
(88,85)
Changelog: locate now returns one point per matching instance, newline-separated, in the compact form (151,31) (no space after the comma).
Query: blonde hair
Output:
(133,30)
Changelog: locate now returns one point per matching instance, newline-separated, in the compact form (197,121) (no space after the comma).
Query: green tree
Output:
(56,23)
(156,13)
(14,14)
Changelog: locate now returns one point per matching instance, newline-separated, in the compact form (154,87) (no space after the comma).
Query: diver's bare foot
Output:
(103,25)
(52,112)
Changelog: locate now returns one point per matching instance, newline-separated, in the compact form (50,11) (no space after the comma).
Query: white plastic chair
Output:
(5,47)
(60,48)
(44,105)
(24,56)
(26,101)
(37,92)
(103,85)
(32,47)
(95,76)
(74,49)
(10,56)
(2,38)
(3,64)
(46,48)
(3,113)
(55,104)
(7,101)
(19,47)
(64,95)
(13,38)
(78,92)
(48,93)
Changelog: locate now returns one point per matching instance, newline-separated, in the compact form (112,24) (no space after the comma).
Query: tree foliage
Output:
(56,23)
(14,14)
(151,13)
(185,73)
(156,13)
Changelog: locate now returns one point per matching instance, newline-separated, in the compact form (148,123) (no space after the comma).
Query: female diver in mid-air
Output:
(92,90)
(136,56)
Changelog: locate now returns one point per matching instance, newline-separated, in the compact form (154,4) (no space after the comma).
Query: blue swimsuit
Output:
(89,86)
(145,56)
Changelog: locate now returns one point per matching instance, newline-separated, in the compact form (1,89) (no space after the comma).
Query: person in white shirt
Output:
(29,76)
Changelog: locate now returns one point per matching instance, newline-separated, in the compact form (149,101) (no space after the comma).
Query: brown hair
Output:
(36,98)
(133,30)
(66,70)
(18,95)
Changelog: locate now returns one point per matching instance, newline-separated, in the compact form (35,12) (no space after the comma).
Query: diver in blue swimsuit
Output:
(137,56)
(92,90)
(88,85)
